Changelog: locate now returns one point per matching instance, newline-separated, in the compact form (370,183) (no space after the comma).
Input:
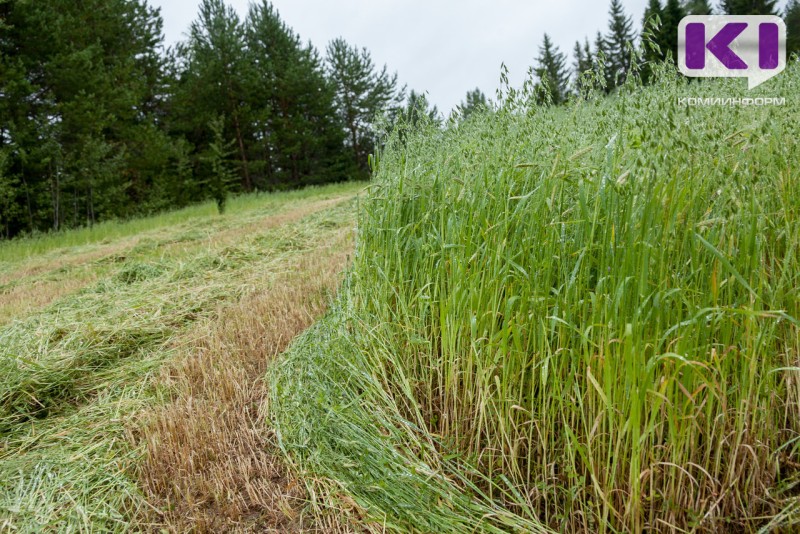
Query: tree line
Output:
(98,120)
(610,53)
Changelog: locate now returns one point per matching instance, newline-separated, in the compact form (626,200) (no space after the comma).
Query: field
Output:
(130,357)
(581,318)
(540,319)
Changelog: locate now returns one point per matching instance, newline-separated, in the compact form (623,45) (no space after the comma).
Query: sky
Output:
(442,47)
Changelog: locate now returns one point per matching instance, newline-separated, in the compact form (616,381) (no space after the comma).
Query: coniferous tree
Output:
(652,13)
(221,175)
(618,42)
(362,93)
(673,14)
(475,101)
(583,59)
(214,74)
(300,137)
(601,65)
(749,7)
(9,186)
(551,70)
(792,18)
(698,7)
(418,110)
(82,88)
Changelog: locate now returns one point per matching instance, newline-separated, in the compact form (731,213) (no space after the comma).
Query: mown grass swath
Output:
(595,306)
(77,376)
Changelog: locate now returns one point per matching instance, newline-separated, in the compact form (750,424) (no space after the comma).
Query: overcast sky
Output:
(444,47)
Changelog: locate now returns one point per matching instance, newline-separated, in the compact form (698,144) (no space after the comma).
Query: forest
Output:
(99,120)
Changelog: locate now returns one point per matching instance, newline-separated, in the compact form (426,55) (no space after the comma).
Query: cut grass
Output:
(209,465)
(204,214)
(79,374)
(590,313)
(30,284)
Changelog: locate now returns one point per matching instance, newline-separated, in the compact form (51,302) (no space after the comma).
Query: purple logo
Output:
(752,47)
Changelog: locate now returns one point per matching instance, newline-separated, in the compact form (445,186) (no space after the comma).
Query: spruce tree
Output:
(602,64)
(362,93)
(619,40)
(749,7)
(551,70)
(221,175)
(583,59)
(698,7)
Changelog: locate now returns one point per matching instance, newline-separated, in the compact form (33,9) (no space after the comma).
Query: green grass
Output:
(586,317)
(78,375)
(105,232)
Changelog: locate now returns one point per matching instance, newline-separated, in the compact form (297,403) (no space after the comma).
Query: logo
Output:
(732,46)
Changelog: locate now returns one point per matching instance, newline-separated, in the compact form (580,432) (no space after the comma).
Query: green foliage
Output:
(594,305)
(661,33)
(363,94)
(418,110)
(97,121)
(618,43)
(583,60)
(475,102)
(80,84)
(792,19)
(749,7)
(213,80)
(298,132)
(222,176)
(9,185)
(552,74)
(698,7)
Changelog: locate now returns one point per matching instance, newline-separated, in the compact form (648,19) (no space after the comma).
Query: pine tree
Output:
(82,87)
(300,136)
(362,93)
(618,41)
(214,75)
(697,7)
(551,70)
(749,7)
(792,18)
